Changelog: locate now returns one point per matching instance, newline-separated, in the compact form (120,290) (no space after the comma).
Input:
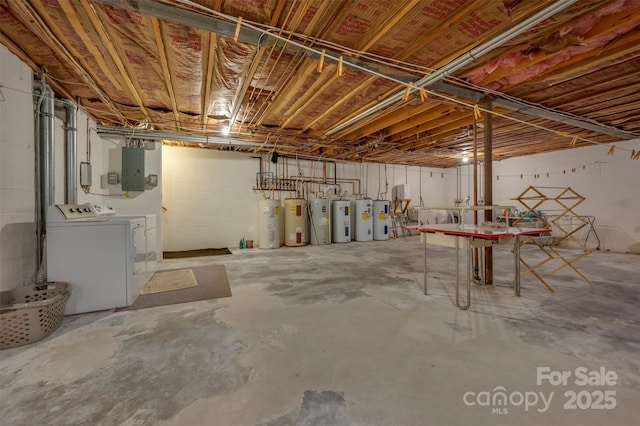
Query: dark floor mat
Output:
(195,253)
(212,284)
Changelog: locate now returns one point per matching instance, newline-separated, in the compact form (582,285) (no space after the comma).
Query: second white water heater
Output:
(320,221)
(362,220)
(295,225)
(381,220)
(341,220)
(269,236)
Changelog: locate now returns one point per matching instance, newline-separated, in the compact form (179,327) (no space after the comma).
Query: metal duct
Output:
(157,135)
(71,154)
(44,111)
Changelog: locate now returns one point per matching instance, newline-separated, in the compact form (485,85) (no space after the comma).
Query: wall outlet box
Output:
(152,180)
(85,174)
(112,178)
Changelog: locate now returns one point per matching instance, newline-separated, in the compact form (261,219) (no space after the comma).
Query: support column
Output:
(488,184)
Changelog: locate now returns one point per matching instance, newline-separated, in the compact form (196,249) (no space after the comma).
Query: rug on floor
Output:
(195,253)
(212,283)
(170,280)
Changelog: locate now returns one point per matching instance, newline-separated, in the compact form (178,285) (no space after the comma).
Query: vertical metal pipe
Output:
(44,149)
(476,266)
(46,142)
(488,187)
(71,151)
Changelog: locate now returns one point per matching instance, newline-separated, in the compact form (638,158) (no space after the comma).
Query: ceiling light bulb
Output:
(225,130)
(465,159)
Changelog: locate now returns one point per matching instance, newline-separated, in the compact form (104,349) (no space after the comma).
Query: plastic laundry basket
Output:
(28,314)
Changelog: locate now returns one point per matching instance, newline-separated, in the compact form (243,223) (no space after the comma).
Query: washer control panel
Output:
(65,212)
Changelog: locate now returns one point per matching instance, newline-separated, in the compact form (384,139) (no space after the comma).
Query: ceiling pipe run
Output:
(265,38)
(462,60)
(155,135)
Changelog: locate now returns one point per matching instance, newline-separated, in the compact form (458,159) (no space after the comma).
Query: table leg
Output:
(469,257)
(424,269)
(516,251)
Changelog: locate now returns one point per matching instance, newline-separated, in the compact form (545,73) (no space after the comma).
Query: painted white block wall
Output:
(18,263)
(17,186)
(607,182)
(128,202)
(210,202)
(208,198)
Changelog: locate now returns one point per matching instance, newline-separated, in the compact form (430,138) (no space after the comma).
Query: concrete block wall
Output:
(18,264)
(17,162)
(606,181)
(209,199)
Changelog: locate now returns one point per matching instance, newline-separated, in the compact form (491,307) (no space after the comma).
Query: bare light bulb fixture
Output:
(225,130)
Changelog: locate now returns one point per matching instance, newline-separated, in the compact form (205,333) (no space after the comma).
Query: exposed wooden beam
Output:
(116,56)
(317,88)
(324,8)
(434,118)
(595,98)
(72,15)
(602,83)
(337,17)
(274,101)
(407,52)
(337,105)
(378,34)
(607,25)
(248,77)
(326,79)
(451,124)
(408,114)
(34,22)
(209,56)
(454,19)
(416,124)
(288,92)
(162,54)
(585,63)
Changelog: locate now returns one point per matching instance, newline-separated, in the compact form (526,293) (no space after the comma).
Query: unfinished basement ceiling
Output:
(341,79)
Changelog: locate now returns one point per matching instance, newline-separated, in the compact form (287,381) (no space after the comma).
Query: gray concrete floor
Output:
(343,335)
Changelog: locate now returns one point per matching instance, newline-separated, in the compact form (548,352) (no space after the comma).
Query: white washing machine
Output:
(103,260)
(106,211)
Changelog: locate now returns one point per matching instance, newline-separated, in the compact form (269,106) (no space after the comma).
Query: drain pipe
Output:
(44,111)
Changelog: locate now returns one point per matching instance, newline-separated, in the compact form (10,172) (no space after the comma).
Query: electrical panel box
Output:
(132,169)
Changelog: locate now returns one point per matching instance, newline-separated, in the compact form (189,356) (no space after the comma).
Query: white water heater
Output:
(341,220)
(295,225)
(362,220)
(381,220)
(320,221)
(269,214)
